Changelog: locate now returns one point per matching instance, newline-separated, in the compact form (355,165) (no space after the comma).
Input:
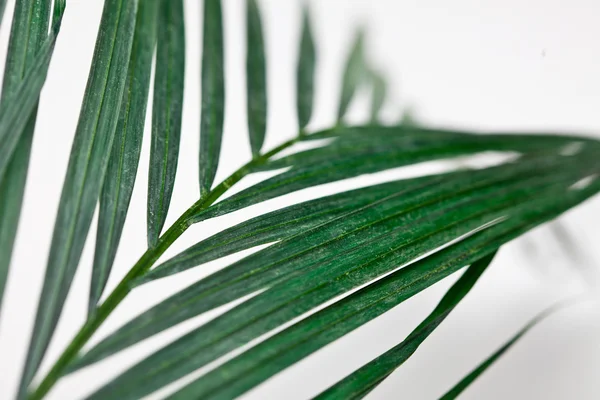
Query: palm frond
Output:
(15,114)
(331,264)
(355,151)
(461,386)
(332,259)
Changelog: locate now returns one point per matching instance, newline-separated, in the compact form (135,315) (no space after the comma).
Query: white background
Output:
(497,65)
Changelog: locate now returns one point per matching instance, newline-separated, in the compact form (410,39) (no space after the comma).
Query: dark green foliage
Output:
(335,215)
(311,268)
(256,77)
(2,8)
(166,114)
(378,93)
(27,38)
(301,339)
(473,375)
(330,265)
(361,150)
(362,381)
(213,94)
(125,154)
(85,172)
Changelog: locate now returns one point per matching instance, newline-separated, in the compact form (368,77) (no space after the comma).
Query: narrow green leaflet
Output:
(125,154)
(276,226)
(365,379)
(386,142)
(213,94)
(354,75)
(378,93)
(26,38)
(166,114)
(256,77)
(2,9)
(279,225)
(473,375)
(17,109)
(305,73)
(361,150)
(85,172)
(316,331)
(342,239)
(322,274)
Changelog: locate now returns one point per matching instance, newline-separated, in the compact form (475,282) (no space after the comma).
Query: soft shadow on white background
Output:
(494,65)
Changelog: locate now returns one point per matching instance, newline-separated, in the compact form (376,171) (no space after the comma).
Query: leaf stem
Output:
(142,266)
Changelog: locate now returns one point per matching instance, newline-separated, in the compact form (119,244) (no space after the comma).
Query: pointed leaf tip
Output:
(355,72)
(378,95)
(368,377)
(255,77)
(213,94)
(85,173)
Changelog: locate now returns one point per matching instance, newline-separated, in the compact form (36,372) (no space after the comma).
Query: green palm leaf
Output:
(356,151)
(276,353)
(379,92)
(330,265)
(166,112)
(85,173)
(305,73)
(314,277)
(361,217)
(125,154)
(213,94)
(256,77)
(323,327)
(26,39)
(15,114)
(354,75)
(361,382)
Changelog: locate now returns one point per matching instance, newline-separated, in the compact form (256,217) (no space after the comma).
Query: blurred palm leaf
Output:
(125,154)
(2,9)
(167,113)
